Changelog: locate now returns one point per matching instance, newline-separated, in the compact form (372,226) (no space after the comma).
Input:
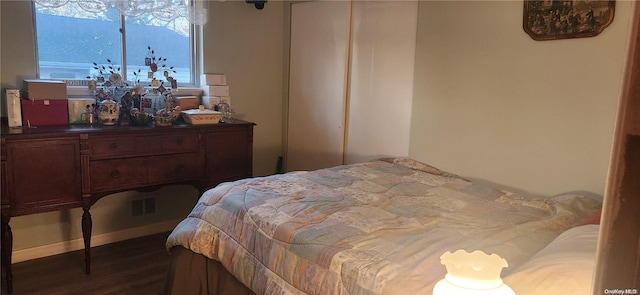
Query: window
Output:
(71,38)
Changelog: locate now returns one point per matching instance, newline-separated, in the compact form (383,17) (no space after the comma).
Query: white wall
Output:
(493,104)
(247,45)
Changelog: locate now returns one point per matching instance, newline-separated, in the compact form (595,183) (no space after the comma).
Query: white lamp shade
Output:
(475,273)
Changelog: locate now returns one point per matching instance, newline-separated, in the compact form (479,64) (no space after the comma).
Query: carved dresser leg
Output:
(7,248)
(86,234)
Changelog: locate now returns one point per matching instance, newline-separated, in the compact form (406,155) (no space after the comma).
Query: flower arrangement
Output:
(109,86)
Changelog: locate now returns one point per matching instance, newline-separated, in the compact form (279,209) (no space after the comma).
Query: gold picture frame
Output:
(562,19)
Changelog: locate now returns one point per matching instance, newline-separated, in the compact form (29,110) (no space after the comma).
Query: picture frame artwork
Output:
(562,19)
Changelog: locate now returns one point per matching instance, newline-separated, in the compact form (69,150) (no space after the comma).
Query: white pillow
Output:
(565,266)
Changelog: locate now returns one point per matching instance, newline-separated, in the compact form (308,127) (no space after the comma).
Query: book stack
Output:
(215,90)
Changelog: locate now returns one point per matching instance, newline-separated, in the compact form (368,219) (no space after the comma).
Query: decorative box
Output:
(210,102)
(78,109)
(186,102)
(216,90)
(201,116)
(213,79)
(43,112)
(44,89)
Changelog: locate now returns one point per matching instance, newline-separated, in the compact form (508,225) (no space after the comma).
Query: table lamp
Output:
(474,273)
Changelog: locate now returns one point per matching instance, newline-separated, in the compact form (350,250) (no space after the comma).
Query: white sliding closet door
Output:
(317,84)
(383,42)
(351,81)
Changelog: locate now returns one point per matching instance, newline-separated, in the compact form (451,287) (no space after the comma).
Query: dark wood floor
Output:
(137,266)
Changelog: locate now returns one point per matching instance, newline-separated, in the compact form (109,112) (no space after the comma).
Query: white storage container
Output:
(213,79)
(201,116)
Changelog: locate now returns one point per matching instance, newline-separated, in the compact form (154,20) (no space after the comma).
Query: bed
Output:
(377,227)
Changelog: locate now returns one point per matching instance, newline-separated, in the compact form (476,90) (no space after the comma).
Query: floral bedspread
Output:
(378,227)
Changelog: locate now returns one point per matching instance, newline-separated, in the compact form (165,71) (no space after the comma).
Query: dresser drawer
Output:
(119,174)
(180,143)
(112,146)
(143,144)
(170,143)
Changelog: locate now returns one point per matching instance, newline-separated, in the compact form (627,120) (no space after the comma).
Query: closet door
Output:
(317,84)
(383,38)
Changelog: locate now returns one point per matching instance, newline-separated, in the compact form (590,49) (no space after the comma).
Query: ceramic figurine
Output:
(109,112)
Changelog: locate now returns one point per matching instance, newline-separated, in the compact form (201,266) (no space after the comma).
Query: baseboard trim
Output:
(96,240)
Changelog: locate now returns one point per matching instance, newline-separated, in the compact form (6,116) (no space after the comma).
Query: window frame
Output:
(78,87)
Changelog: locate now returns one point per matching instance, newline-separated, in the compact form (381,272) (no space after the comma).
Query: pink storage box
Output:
(44,112)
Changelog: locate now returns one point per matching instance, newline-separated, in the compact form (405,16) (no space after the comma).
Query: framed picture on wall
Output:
(562,19)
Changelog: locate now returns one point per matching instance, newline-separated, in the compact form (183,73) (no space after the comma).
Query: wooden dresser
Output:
(56,167)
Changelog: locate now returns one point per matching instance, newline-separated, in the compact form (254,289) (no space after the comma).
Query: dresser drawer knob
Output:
(180,168)
(115,174)
(113,145)
(180,141)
